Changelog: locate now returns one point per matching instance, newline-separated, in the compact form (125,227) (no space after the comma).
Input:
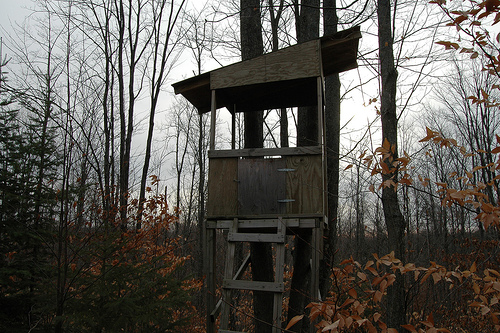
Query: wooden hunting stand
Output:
(261,194)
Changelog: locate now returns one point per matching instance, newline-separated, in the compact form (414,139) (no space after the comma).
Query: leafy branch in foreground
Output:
(358,294)
(474,19)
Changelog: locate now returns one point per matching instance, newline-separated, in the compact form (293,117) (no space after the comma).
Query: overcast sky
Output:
(13,11)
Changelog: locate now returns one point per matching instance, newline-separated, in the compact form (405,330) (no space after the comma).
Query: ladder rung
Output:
(256,238)
(254,285)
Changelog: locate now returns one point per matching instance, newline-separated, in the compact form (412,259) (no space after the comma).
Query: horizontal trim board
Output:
(263,152)
(254,285)
(255,238)
(264,224)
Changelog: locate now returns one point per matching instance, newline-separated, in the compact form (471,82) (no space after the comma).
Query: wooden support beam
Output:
(263,152)
(322,130)
(210,272)
(253,285)
(280,263)
(315,256)
(266,223)
(320,111)
(216,311)
(261,224)
(233,129)
(228,274)
(213,120)
(239,273)
(242,268)
(255,238)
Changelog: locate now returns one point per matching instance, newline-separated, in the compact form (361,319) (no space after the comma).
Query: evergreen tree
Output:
(28,174)
(16,275)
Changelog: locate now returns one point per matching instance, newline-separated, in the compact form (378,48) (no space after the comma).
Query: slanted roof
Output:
(284,78)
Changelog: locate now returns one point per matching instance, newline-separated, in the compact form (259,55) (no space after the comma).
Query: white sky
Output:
(12,11)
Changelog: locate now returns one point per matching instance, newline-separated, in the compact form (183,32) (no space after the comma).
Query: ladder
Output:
(231,282)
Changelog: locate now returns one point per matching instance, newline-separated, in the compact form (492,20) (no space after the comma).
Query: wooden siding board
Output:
(305,185)
(222,187)
(298,61)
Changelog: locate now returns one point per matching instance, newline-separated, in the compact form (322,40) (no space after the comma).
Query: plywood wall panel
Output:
(297,62)
(305,185)
(260,186)
(222,187)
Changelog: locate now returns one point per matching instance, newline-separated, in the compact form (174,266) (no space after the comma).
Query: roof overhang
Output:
(284,78)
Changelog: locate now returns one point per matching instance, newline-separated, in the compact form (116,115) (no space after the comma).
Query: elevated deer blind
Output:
(260,194)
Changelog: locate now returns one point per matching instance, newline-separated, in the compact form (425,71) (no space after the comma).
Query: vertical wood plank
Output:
(260,186)
(222,187)
(280,262)
(210,272)
(233,129)
(320,110)
(316,234)
(228,275)
(305,185)
(322,141)
(213,119)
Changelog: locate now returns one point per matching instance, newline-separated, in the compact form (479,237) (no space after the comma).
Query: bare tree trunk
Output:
(124,162)
(261,253)
(393,217)
(332,123)
(307,17)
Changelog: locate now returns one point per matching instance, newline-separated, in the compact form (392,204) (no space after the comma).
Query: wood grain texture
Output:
(295,62)
(260,186)
(228,274)
(305,185)
(279,270)
(222,187)
(209,269)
